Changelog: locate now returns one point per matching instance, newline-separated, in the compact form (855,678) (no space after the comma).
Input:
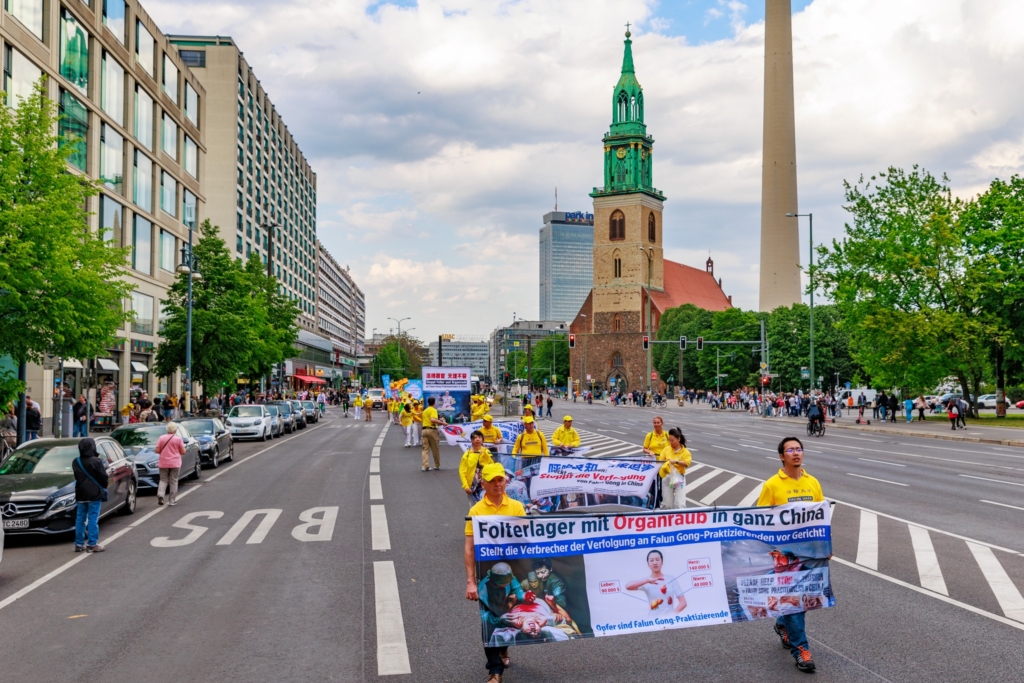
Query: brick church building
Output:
(629,264)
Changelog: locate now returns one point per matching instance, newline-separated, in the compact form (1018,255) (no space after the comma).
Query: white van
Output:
(869,395)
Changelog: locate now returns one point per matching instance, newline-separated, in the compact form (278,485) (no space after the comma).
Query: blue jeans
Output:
(88,514)
(31,435)
(794,625)
(80,428)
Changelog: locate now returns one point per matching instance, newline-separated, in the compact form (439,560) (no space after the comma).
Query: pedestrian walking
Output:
(964,408)
(80,417)
(405,419)
(551,402)
(673,473)
(90,491)
(431,422)
(908,407)
(953,412)
(920,404)
(170,448)
(473,461)
(33,421)
(792,484)
(344,403)
(894,406)
(494,590)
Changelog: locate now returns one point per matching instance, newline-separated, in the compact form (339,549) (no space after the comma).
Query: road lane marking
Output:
(700,480)
(760,448)
(324,525)
(966,449)
(233,465)
(1009,598)
(375,453)
(882,462)
(392,651)
(867,540)
(998,481)
(375,465)
(750,498)
(884,481)
(381,539)
(376,493)
(992,502)
(724,448)
(270,516)
(927,561)
(717,493)
(194,530)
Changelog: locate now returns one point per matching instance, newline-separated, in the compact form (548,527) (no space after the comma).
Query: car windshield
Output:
(144,436)
(40,460)
(308,405)
(285,409)
(246,411)
(200,426)
(273,411)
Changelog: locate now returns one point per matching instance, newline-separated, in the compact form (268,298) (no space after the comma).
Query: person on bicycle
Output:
(814,416)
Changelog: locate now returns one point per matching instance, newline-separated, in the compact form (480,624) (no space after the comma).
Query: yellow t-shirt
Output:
(682,454)
(417,415)
(508,508)
(655,443)
(531,444)
(782,489)
(358,403)
(491,434)
(470,461)
(479,410)
(405,418)
(566,437)
(428,414)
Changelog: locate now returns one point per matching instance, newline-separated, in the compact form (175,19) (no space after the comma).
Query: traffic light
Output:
(647,342)
(572,341)
(700,343)
(506,378)
(682,343)
(765,380)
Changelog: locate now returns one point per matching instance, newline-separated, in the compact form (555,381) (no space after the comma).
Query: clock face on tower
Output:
(621,152)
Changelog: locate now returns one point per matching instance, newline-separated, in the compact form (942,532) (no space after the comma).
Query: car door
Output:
(117,485)
(188,461)
(222,437)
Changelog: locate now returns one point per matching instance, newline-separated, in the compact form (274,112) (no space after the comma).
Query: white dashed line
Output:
(392,651)
(380,538)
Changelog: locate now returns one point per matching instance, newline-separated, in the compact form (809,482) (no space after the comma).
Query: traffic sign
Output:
(515,343)
(805,373)
(50,362)
(764,366)
(774,375)
(847,385)
(654,374)
(588,378)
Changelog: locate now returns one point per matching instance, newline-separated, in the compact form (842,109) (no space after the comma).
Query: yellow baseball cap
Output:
(528,420)
(567,418)
(491,471)
(488,418)
(528,407)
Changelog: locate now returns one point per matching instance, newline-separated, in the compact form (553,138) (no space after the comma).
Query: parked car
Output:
(312,411)
(37,485)
(987,401)
(276,423)
(1020,404)
(288,417)
(248,422)
(215,442)
(301,417)
(139,442)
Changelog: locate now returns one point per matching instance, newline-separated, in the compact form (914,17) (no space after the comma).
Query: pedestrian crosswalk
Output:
(978,576)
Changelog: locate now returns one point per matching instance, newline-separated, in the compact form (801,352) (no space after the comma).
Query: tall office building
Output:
(518,336)
(262,190)
(340,310)
(566,263)
(135,117)
(467,351)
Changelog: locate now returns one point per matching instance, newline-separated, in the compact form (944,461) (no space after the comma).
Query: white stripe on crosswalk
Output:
(717,493)
(700,480)
(867,541)
(927,561)
(750,498)
(1009,598)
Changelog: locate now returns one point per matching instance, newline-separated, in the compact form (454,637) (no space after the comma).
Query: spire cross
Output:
(627,26)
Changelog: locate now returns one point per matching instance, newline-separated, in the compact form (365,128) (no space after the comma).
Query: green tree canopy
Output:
(550,359)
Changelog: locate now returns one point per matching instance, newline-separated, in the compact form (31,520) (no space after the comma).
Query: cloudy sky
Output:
(439,130)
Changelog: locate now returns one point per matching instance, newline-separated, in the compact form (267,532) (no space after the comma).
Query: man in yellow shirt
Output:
(473,460)
(532,442)
(499,582)
(655,442)
(792,484)
(431,421)
(566,436)
(492,434)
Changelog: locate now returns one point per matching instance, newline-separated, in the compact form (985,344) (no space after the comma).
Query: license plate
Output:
(15,523)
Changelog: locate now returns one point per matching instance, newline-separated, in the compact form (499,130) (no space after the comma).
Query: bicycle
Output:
(815,428)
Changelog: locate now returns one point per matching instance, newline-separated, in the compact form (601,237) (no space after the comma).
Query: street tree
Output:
(272,316)
(550,361)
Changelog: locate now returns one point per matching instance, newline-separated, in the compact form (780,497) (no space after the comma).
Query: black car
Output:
(289,420)
(37,485)
(139,442)
(301,417)
(215,443)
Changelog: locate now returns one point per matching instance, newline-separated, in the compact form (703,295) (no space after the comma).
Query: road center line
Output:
(375,466)
(392,651)
(376,493)
(381,539)
(882,462)
(724,448)
(998,481)
(992,502)
(885,481)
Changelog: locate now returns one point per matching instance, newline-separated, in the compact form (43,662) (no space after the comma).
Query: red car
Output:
(1020,404)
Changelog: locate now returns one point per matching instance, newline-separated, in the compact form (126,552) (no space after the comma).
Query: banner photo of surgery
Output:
(558,578)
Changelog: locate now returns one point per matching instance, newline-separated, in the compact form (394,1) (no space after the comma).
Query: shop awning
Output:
(310,379)
(72,364)
(107,364)
(139,367)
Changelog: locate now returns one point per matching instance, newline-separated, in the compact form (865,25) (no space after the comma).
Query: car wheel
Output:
(231,452)
(215,459)
(198,471)
(267,436)
(130,500)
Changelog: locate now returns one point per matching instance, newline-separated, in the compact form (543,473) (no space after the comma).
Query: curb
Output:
(1019,443)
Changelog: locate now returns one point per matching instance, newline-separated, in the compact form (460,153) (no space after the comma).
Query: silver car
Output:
(276,423)
(302,418)
(249,422)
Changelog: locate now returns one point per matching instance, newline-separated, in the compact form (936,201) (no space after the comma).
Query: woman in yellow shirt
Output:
(673,482)
(472,462)
(358,404)
(656,441)
(405,419)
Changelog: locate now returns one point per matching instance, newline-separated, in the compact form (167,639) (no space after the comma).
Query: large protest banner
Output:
(547,579)
(450,388)
(456,433)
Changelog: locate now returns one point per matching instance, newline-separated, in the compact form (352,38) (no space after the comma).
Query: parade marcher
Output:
(531,442)
(789,485)
(473,461)
(170,448)
(566,436)
(492,435)
(677,458)
(367,409)
(656,441)
(91,483)
(405,419)
(431,421)
(358,405)
(492,591)
(417,423)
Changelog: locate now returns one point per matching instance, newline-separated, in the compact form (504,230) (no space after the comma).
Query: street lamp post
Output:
(650,259)
(810,275)
(189,266)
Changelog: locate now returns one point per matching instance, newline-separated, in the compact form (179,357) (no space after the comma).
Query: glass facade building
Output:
(566,263)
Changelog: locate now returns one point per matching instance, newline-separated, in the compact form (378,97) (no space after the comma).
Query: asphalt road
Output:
(186,593)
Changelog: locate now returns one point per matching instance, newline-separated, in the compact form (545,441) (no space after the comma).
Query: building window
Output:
(189,210)
(194,58)
(29,13)
(145,52)
(617,227)
(20,76)
(112,88)
(74,52)
(617,323)
(113,18)
(143,118)
(168,193)
(617,360)
(142,307)
(238,244)
(167,251)
(191,157)
(617,265)
(192,104)
(652,228)
(169,137)
(142,182)
(73,129)
(110,220)
(142,244)
(111,159)
(170,82)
